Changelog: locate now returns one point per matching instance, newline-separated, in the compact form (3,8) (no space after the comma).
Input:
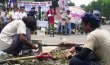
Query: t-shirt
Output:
(68,18)
(14,27)
(22,14)
(99,42)
(5,19)
(15,15)
(63,16)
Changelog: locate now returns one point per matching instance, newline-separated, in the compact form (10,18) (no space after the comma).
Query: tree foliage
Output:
(101,5)
(3,1)
(71,4)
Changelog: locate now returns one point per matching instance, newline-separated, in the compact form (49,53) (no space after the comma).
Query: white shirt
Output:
(14,27)
(3,14)
(76,20)
(68,18)
(15,15)
(63,16)
(22,14)
(99,41)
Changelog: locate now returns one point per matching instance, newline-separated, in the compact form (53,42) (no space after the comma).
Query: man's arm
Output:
(26,42)
(77,48)
(84,53)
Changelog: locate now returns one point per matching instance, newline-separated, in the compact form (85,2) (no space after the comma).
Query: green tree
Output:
(83,6)
(55,3)
(101,5)
(3,1)
(71,4)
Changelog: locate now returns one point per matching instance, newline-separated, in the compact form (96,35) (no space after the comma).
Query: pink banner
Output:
(76,12)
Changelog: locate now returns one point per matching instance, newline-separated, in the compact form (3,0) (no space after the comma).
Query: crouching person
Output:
(16,35)
(97,42)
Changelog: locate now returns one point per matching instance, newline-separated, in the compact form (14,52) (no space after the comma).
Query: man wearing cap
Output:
(97,43)
(32,12)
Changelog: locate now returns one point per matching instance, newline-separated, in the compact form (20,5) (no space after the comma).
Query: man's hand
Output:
(72,50)
(34,47)
(26,42)
(69,52)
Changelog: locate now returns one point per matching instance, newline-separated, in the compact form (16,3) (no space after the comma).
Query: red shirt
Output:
(51,18)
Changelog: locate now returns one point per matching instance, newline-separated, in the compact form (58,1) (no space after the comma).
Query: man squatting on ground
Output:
(97,43)
(16,35)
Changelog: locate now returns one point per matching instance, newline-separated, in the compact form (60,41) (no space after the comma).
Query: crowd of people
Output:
(66,23)
(8,15)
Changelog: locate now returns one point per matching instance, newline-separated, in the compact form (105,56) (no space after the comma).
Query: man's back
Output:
(14,27)
(100,45)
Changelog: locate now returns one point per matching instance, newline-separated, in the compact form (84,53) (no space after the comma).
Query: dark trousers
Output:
(77,61)
(17,46)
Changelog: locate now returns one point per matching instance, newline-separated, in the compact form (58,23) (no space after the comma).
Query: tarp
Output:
(11,3)
(28,5)
(76,13)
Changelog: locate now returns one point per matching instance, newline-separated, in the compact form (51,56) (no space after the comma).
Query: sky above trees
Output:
(80,2)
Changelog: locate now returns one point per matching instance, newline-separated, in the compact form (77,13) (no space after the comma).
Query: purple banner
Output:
(11,3)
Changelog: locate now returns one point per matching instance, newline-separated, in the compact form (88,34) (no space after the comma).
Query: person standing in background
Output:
(22,12)
(9,12)
(15,14)
(5,20)
(63,22)
(50,14)
(59,19)
(0,21)
(32,12)
(68,22)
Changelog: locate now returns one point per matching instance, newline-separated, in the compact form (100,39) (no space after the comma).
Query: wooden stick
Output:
(27,57)
(16,59)
(62,45)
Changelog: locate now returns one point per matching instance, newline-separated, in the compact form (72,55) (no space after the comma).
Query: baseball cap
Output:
(33,8)
(92,18)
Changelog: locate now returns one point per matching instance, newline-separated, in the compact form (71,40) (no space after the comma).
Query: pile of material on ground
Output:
(58,58)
